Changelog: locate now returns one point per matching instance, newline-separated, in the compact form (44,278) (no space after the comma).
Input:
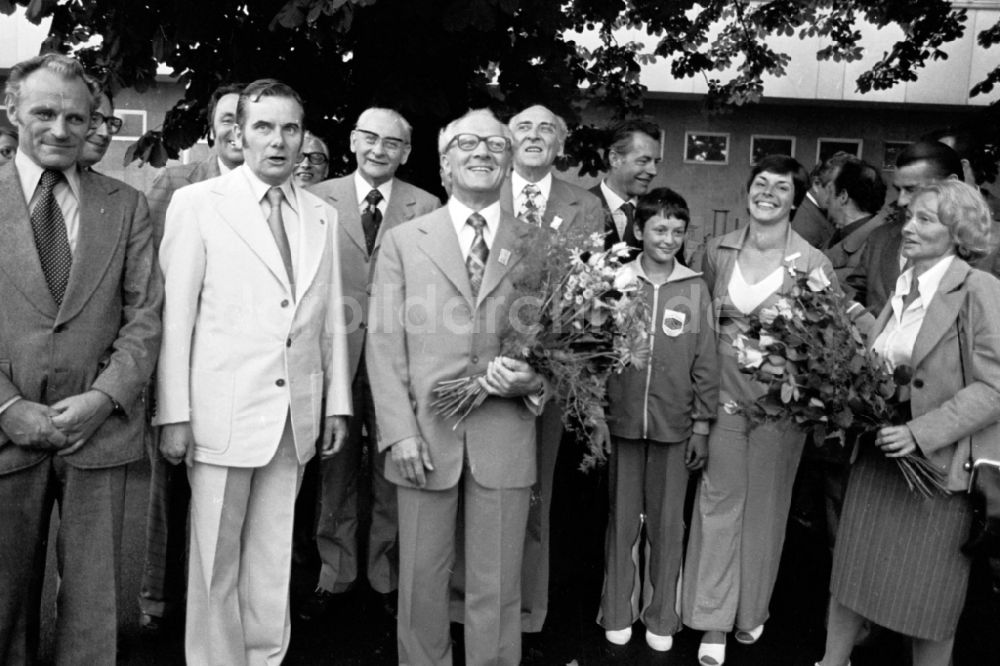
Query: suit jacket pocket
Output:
(316,385)
(212,409)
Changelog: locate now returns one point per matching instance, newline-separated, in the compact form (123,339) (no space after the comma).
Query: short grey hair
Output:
(395,115)
(64,66)
(562,129)
(963,210)
(448,132)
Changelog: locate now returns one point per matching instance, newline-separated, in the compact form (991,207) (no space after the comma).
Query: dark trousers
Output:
(91,505)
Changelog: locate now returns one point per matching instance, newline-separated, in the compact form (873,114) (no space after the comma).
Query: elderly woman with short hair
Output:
(897,561)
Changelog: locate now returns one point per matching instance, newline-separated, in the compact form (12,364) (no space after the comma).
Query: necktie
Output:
(629,236)
(531,212)
(277,227)
(371,218)
(475,263)
(51,239)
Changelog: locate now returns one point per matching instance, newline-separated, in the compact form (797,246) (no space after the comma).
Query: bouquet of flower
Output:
(820,374)
(575,321)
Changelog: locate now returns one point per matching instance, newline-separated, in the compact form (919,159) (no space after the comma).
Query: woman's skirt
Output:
(897,560)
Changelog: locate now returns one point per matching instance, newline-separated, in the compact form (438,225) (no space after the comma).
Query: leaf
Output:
(787,392)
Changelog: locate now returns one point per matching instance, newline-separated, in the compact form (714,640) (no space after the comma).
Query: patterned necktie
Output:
(531,212)
(475,263)
(51,238)
(277,227)
(371,218)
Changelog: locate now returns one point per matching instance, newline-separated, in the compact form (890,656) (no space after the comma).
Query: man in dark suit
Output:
(441,284)
(633,156)
(369,202)
(536,196)
(809,220)
(161,593)
(919,164)
(79,336)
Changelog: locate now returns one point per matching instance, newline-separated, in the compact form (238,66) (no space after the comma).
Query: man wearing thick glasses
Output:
(441,291)
(314,163)
(103,126)
(369,202)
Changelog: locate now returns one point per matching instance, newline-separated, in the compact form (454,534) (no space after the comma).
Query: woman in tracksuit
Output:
(658,417)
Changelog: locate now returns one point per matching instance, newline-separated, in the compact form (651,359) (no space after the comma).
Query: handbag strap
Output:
(965,360)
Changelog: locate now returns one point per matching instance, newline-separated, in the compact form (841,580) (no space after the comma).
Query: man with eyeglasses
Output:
(536,196)
(369,202)
(440,297)
(104,125)
(79,336)
(315,162)
(161,592)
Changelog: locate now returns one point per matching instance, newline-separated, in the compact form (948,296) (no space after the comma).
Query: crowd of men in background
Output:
(258,311)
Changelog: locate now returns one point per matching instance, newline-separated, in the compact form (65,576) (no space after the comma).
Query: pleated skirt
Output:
(897,560)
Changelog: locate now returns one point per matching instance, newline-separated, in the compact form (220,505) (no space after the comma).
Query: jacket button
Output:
(967,466)
(284,303)
(288,342)
(918,383)
(475,359)
(280,382)
(59,328)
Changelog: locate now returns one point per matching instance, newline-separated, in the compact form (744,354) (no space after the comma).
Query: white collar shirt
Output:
(223,169)
(466,234)
(289,213)
(66,192)
(615,204)
(363,187)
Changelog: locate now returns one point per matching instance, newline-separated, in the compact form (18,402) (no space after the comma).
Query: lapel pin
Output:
(556,222)
(504,256)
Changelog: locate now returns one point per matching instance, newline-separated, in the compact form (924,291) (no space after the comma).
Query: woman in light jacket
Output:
(738,527)
(897,561)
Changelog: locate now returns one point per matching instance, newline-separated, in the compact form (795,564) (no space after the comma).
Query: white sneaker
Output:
(659,643)
(619,636)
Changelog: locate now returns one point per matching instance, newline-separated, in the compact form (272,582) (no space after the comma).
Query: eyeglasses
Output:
(316,159)
(389,144)
(114,124)
(469,142)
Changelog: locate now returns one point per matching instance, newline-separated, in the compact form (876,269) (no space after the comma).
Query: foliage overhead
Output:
(433,59)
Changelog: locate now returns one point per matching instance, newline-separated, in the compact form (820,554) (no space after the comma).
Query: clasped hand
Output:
(63,427)
(508,377)
(896,441)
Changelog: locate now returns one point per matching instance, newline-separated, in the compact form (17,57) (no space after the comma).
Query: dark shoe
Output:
(318,605)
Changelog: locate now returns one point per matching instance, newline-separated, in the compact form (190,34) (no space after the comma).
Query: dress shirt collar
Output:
(30,173)
(809,195)
(223,169)
(260,188)
(517,183)
(460,214)
(614,201)
(363,187)
(927,284)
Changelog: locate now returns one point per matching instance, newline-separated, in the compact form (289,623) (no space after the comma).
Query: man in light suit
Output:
(538,197)
(369,202)
(441,290)
(254,360)
(79,335)
(633,157)
(161,590)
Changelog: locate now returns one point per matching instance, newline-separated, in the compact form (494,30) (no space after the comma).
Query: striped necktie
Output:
(475,263)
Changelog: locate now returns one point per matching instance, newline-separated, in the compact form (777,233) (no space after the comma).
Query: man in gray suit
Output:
(369,202)
(79,336)
(538,197)
(161,592)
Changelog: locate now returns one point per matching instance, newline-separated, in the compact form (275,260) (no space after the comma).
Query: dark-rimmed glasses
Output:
(113,123)
(316,159)
(469,142)
(389,143)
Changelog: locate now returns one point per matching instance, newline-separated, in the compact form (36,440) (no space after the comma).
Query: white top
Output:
(66,192)
(363,187)
(745,296)
(289,215)
(895,342)
(466,234)
(517,184)
(615,204)
(223,169)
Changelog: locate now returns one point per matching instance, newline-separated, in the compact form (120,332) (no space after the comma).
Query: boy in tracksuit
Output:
(658,417)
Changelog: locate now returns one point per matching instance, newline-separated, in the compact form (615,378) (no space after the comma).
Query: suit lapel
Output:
(17,244)
(101,221)
(942,311)
(561,204)
(237,206)
(507,197)
(400,208)
(504,254)
(313,225)
(440,243)
(344,198)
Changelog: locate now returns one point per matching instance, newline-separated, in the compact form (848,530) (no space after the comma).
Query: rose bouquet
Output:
(575,321)
(820,374)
